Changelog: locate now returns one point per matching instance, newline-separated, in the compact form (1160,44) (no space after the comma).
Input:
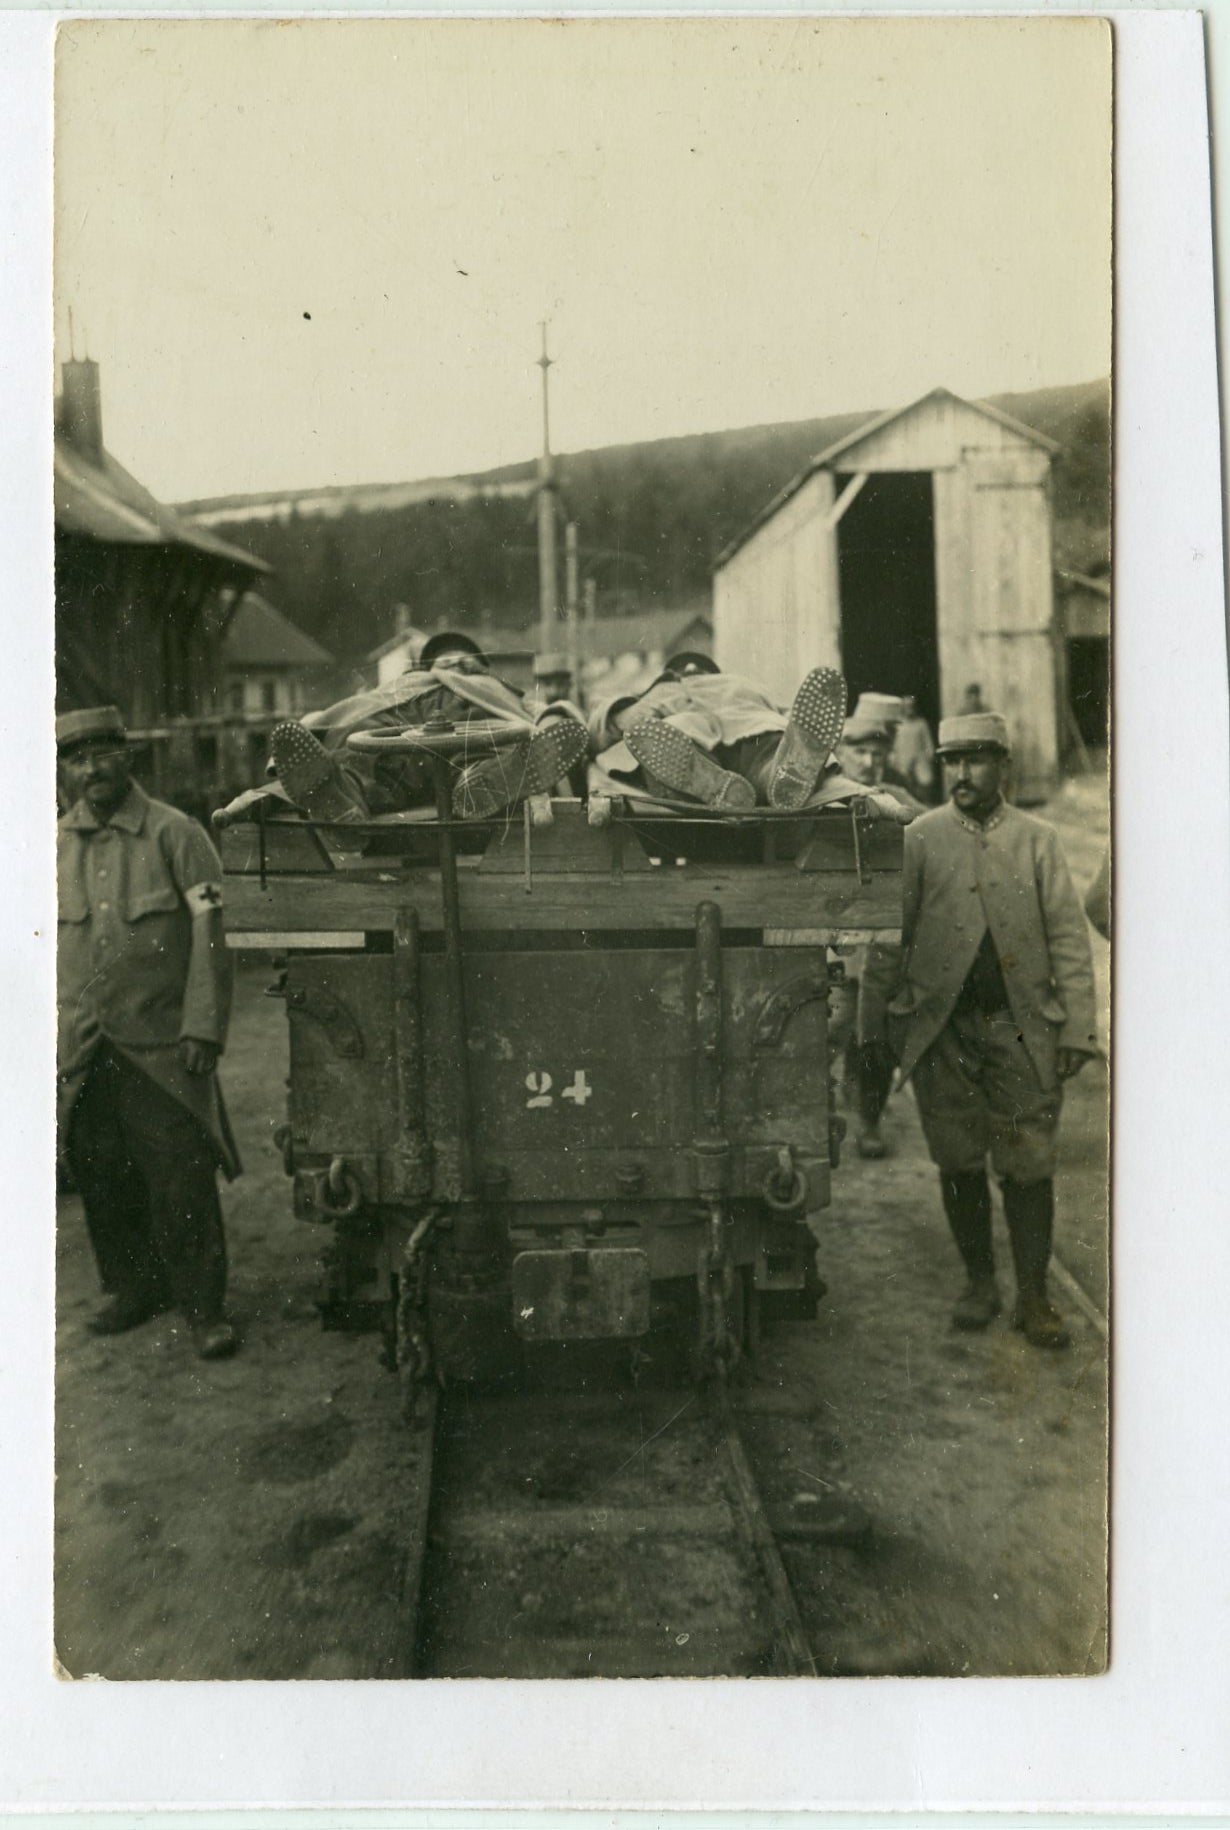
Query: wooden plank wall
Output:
(775,602)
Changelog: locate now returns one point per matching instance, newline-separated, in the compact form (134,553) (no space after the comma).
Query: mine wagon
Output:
(556,1074)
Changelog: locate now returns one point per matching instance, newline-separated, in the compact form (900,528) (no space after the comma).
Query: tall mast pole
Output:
(548,589)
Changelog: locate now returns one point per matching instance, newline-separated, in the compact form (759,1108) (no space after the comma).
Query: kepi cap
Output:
(861,727)
(973,731)
(93,723)
(554,661)
(690,661)
(880,708)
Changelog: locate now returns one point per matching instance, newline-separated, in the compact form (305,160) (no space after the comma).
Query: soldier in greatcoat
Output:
(994,1012)
(144,997)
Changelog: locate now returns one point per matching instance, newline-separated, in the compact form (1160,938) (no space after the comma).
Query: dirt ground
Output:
(248,1519)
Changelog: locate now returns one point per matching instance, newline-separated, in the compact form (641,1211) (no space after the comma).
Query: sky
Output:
(318,252)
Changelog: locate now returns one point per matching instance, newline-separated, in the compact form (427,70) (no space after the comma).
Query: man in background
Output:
(912,758)
(858,1029)
(994,1012)
(144,997)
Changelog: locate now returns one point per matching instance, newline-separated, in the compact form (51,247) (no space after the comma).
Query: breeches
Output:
(146,1172)
(979,1095)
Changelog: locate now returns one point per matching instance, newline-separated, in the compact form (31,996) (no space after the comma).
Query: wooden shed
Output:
(916,553)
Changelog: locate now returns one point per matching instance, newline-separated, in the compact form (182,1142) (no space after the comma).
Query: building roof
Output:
(643,632)
(258,635)
(876,422)
(99,500)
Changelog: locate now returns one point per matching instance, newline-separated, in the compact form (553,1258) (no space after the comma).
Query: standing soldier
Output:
(995,1010)
(144,995)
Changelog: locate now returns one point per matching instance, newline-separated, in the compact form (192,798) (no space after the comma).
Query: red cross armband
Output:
(203,898)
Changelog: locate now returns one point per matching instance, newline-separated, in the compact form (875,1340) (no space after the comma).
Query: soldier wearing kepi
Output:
(144,996)
(995,1010)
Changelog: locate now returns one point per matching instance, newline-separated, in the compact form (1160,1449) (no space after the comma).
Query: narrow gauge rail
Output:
(597,1533)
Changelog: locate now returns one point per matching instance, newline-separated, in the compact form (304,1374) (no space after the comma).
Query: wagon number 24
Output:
(539,1085)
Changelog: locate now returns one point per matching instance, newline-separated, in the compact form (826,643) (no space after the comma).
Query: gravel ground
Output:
(247,1519)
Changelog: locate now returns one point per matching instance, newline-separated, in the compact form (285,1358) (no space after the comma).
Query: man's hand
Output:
(1070,1061)
(198,1057)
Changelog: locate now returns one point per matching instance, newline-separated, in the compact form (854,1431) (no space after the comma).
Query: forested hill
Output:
(652,518)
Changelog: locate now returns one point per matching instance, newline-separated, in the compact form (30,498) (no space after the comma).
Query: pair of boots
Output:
(315,781)
(1029,1209)
(668,756)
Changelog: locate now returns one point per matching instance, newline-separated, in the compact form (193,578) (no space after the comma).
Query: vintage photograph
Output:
(583,657)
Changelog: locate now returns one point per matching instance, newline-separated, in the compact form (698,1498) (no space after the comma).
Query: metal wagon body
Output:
(583,1067)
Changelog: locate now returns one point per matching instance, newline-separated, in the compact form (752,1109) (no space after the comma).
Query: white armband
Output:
(203,898)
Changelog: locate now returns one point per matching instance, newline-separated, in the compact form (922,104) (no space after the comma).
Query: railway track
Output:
(614,1529)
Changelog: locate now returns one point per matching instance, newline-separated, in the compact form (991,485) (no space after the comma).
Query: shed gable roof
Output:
(844,446)
(870,427)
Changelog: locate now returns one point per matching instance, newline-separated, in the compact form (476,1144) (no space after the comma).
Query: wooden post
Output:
(571,574)
(548,590)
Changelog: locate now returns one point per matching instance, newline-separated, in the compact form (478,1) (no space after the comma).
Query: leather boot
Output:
(967,1203)
(1029,1209)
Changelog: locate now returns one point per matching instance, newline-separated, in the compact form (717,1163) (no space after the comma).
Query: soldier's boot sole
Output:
(811,734)
(312,777)
(525,769)
(664,752)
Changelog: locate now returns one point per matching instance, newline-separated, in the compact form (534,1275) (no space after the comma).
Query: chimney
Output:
(79,409)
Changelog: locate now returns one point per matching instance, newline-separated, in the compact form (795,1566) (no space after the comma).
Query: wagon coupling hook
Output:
(785,1188)
(345,1195)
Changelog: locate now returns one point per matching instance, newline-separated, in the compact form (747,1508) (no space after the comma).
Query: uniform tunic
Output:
(990,919)
(142,961)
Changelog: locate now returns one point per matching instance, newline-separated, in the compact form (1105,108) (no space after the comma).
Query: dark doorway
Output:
(1089,687)
(886,564)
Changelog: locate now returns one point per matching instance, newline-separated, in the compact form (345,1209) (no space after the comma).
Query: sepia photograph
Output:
(583,608)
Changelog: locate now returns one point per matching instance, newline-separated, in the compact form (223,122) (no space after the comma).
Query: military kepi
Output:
(972,731)
(93,724)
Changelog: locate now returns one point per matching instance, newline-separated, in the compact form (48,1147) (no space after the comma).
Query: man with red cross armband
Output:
(144,997)
(993,1013)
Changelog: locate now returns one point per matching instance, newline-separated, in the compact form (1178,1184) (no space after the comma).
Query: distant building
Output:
(269,664)
(916,553)
(510,652)
(626,653)
(142,597)
(616,653)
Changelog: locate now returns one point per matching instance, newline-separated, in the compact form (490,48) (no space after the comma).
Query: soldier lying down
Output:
(313,770)
(701,735)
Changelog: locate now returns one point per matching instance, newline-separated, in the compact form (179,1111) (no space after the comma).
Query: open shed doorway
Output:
(886,570)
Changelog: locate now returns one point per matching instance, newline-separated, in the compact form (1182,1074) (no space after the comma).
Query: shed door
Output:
(1010,549)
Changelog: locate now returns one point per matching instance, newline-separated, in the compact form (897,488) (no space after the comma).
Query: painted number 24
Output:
(541,1095)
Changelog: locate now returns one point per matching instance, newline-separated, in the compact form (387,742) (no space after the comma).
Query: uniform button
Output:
(104,837)
(104,905)
(102,873)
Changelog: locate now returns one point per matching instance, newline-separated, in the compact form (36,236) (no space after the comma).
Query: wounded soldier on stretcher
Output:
(313,770)
(701,735)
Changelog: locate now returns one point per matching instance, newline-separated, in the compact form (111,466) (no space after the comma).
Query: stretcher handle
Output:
(480,737)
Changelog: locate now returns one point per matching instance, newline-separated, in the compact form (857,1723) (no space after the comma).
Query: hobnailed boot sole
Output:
(488,787)
(666,753)
(311,777)
(812,730)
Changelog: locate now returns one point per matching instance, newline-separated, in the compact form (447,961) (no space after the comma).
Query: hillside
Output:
(652,517)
